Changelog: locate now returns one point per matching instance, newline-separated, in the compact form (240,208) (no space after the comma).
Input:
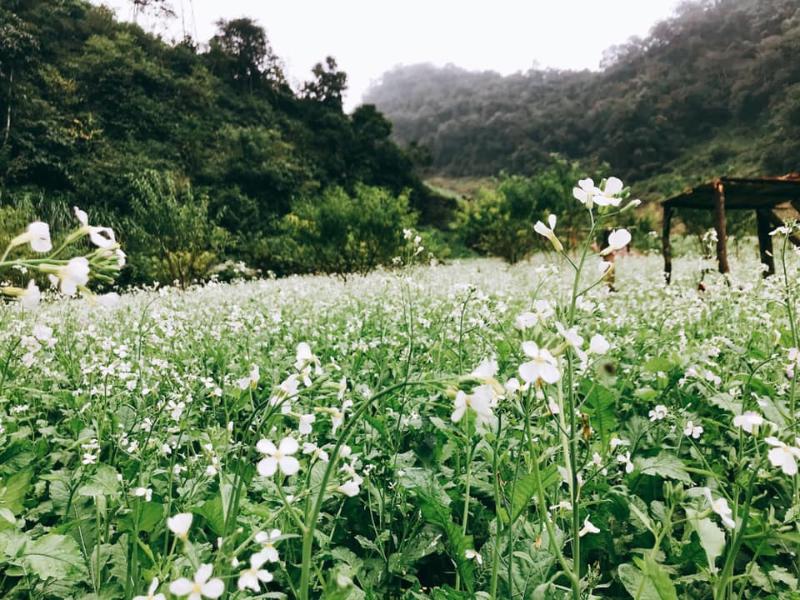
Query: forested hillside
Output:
(100,114)
(715,88)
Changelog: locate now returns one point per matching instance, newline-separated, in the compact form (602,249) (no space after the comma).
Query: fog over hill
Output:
(720,79)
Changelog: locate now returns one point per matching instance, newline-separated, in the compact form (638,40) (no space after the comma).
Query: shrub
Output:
(171,235)
(342,233)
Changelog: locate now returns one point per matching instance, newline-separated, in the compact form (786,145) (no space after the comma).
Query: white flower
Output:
(303,356)
(473,555)
(512,385)
(479,401)
(615,442)
(783,455)
(31,295)
(311,448)
(251,381)
(147,493)
(748,421)
(612,187)
(251,578)
(782,230)
(720,507)
(350,488)
(570,335)
(549,232)
(337,417)
(102,237)
(485,371)
(598,345)
(269,553)
(542,310)
(306,422)
(200,587)
(543,367)
(37,235)
(692,430)
(180,524)
(120,254)
(278,457)
(585,192)
(588,527)
(151,595)
(658,413)
(81,216)
(626,459)
(75,273)
(618,239)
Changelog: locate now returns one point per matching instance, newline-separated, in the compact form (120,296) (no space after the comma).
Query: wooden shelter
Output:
(774,199)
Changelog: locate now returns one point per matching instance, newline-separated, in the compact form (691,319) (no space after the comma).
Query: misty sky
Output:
(368,37)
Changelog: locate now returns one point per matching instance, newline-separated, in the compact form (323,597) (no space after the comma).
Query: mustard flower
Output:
(201,587)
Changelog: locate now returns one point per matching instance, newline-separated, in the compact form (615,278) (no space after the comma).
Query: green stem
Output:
(796,344)
(733,550)
(496,545)
(467,472)
(313,513)
(541,499)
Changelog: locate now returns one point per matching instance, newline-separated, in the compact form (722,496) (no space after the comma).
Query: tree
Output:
(329,84)
(241,52)
(16,52)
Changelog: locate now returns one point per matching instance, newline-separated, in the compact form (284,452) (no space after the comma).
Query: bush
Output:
(500,221)
(341,233)
(171,237)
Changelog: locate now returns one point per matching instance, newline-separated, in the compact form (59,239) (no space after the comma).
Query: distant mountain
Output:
(714,89)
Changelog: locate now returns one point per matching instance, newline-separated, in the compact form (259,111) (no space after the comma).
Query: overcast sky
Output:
(369,37)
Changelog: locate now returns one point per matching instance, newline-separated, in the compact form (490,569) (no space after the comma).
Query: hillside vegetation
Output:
(165,139)
(715,89)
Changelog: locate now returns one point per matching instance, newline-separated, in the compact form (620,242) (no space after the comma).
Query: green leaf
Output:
(636,584)
(214,515)
(457,542)
(665,466)
(658,363)
(712,538)
(150,514)
(7,519)
(660,579)
(103,483)
(55,556)
(725,401)
(14,489)
(525,489)
(601,406)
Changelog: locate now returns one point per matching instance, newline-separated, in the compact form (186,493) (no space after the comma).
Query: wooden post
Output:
(765,241)
(667,250)
(720,226)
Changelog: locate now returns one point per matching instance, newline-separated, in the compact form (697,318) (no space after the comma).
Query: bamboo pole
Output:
(667,249)
(720,226)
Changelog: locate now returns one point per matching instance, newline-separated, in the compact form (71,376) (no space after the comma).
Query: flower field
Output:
(463,431)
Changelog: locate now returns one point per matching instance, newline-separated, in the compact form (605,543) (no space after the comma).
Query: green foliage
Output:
(342,233)
(170,234)
(89,106)
(499,220)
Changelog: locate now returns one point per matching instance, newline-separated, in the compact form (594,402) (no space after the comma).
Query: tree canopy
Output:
(89,106)
(721,76)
